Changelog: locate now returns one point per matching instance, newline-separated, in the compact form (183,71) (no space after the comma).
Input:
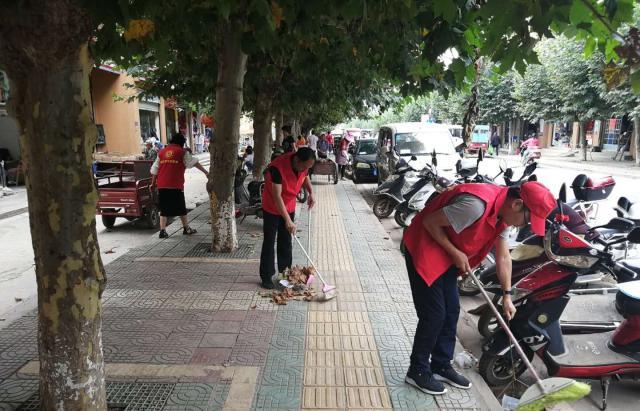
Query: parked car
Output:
(363,161)
(404,140)
(479,139)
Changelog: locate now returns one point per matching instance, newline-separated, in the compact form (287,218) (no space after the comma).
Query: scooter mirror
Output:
(562,196)
(508,173)
(434,158)
(620,224)
(530,168)
(503,166)
(634,236)
(414,158)
(480,155)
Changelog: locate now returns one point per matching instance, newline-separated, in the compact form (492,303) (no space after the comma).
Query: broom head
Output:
(556,390)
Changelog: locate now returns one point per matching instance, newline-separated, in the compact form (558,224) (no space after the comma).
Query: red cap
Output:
(540,202)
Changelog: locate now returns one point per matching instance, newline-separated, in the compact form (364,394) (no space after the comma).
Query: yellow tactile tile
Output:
(323,329)
(316,342)
(361,358)
(351,296)
(368,398)
(351,306)
(363,377)
(363,328)
(354,342)
(324,398)
(317,358)
(324,376)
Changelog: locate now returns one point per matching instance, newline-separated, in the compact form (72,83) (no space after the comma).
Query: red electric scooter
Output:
(541,297)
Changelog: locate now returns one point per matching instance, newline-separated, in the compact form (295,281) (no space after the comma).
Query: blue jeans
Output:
(438,308)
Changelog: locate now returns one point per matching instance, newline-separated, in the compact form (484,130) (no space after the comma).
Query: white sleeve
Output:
(155,167)
(189,160)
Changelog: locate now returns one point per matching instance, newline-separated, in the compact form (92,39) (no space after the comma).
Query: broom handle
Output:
(506,329)
(309,235)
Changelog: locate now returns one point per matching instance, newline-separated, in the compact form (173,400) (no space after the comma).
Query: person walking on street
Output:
(168,176)
(342,156)
(283,179)
(301,142)
(288,142)
(329,137)
(199,143)
(452,235)
(324,148)
(495,142)
(312,140)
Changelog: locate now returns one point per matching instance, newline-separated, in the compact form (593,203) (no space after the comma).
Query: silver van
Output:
(404,140)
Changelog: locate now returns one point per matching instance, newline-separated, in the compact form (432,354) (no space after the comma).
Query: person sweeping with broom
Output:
(453,234)
(283,179)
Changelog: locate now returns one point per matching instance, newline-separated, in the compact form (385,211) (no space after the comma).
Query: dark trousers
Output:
(438,307)
(274,228)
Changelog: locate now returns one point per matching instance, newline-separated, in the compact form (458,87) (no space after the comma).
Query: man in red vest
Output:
(453,234)
(168,174)
(283,179)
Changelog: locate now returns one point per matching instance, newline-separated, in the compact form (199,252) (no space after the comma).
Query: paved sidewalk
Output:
(186,329)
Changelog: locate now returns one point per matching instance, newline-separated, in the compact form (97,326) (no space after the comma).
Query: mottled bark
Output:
(471,115)
(262,141)
(43,47)
(636,139)
(232,63)
(583,140)
(279,122)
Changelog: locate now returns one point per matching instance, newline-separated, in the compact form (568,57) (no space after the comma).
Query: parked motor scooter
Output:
(541,298)
(390,193)
(530,255)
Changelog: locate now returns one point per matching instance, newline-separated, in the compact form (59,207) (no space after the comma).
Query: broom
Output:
(545,392)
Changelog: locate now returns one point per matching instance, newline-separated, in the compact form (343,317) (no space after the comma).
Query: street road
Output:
(622,395)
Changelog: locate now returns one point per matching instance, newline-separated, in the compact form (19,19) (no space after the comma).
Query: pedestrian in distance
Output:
(342,156)
(284,178)
(301,141)
(324,148)
(329,138)
(448,238)
(495,142)
(312,141)
(288,142)
(150,152)
(168,176)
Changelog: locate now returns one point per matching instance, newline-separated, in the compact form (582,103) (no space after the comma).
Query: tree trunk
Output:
(583,140)
(279,122)
(636,139)
(51,101)
(471,115)
(232,63)
(262,118)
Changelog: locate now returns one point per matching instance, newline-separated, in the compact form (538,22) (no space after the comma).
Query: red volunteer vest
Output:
(171,171)
(291,184)
(429,258)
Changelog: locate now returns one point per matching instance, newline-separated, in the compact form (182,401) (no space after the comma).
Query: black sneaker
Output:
(425,383)
(268,285)
(163,234)
(451,376)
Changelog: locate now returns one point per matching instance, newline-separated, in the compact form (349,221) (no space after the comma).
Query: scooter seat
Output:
(633,265)
(600,182)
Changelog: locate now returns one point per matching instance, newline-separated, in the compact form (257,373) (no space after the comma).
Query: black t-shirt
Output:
(288,143)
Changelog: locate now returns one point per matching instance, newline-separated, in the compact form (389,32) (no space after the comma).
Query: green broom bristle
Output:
(570,393)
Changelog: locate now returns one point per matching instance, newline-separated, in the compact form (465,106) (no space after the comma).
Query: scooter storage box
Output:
(589,189)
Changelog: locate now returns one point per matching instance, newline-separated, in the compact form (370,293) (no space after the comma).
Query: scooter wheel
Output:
(383,207)
(487,324)
(498,370)
(401,218)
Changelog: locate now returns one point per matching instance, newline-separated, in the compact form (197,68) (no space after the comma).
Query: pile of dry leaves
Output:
(297,288)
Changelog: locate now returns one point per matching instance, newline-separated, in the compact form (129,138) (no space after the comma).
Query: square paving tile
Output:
(324,397)
(324,376)
(278,398)
(369,398)
(233,315)
(224,327)
(213,356)
(210,340)
(410,399)
(456,398)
